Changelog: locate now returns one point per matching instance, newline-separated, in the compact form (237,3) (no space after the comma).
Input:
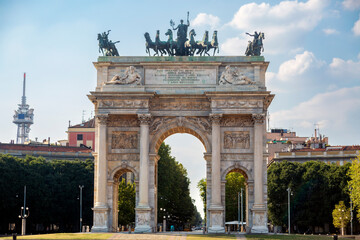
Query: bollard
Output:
(14,236)
(335,237)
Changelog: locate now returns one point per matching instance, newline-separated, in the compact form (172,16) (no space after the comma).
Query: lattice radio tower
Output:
(23,118)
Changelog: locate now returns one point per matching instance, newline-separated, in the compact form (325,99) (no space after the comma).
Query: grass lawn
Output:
(210,236)
(288,237)
(66,236)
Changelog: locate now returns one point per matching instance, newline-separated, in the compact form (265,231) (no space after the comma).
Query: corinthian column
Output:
(143,210)
(144,160)
(100,209)
(258,159)
(215,160)
(100,149)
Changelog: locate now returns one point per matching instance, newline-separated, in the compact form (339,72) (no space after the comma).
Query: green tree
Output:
(234,183)
(341,216)
(202,188)
(173,190)
(52,192)
(354,183)
(316,188)
(126,203)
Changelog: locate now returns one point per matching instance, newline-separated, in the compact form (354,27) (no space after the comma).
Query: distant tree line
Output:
(316,188)
(52,193)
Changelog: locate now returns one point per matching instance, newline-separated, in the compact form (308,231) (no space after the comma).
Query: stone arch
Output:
(248,190)
(120,170)
(176,127)
(114,183)
(237,168)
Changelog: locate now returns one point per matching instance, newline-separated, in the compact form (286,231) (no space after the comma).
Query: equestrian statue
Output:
(255,47)
(106,47)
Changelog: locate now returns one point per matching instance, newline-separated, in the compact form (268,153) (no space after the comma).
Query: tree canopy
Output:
(316,188)
(354,183)
(234,183)
(52,192)
(341,216)
(173,190)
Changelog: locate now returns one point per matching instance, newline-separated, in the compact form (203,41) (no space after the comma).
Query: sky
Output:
(313,48)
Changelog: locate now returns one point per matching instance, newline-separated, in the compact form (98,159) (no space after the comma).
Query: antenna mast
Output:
(23,118)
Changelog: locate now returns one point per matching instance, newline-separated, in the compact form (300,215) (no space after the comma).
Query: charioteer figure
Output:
(181,35)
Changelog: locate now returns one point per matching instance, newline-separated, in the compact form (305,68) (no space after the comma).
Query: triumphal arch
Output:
(139,101)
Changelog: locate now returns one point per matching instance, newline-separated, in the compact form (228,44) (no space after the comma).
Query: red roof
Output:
(88,124)
(44,148)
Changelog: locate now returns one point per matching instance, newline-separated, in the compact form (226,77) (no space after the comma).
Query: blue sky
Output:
(313,48)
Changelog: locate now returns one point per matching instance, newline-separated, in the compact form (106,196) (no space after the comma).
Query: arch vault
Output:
(222,101)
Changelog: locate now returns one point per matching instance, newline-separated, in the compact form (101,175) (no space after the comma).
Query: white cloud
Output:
(234,46)
(203,19)
(335,112)
(282,23)
(330,31)
(297,66)
(351,4)
(345,69)
(356,28)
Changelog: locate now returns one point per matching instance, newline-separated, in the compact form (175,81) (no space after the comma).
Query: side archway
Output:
(114,187)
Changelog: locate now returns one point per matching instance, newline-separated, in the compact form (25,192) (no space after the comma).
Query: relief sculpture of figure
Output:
(130,76)
(234,76)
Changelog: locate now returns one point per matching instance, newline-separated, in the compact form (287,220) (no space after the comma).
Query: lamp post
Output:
(289,193)
(81,188)
(238,211)
(23,214)
(242,209)
(164,218)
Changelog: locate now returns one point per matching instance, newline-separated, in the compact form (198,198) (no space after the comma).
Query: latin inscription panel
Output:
(180,75)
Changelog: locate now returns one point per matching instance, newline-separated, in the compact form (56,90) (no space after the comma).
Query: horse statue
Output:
(190,45)
(255,47)
(160,45)
(108,46)
(203,46)
(213,44)
(150,44)
(171,44)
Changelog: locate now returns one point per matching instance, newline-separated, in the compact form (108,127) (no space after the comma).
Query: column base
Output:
(143,220)
(100,219)
(216,225)
(259,219)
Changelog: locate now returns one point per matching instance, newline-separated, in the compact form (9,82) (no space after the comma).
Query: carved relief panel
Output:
(124,140)
(237,140)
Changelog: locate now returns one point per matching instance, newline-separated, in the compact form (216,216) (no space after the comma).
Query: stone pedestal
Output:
(216,217)
(142,220)
(100,219)
(259,220)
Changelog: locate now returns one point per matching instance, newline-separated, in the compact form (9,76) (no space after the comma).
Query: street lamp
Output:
(164,218)
(289,193)
(240,209)
(23,214)
(81,187)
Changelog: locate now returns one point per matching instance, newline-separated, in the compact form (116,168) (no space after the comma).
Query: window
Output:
(79,137)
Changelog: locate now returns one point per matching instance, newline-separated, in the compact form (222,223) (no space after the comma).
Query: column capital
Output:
(215,118)
(258,118)
(102,118)
(144,118)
